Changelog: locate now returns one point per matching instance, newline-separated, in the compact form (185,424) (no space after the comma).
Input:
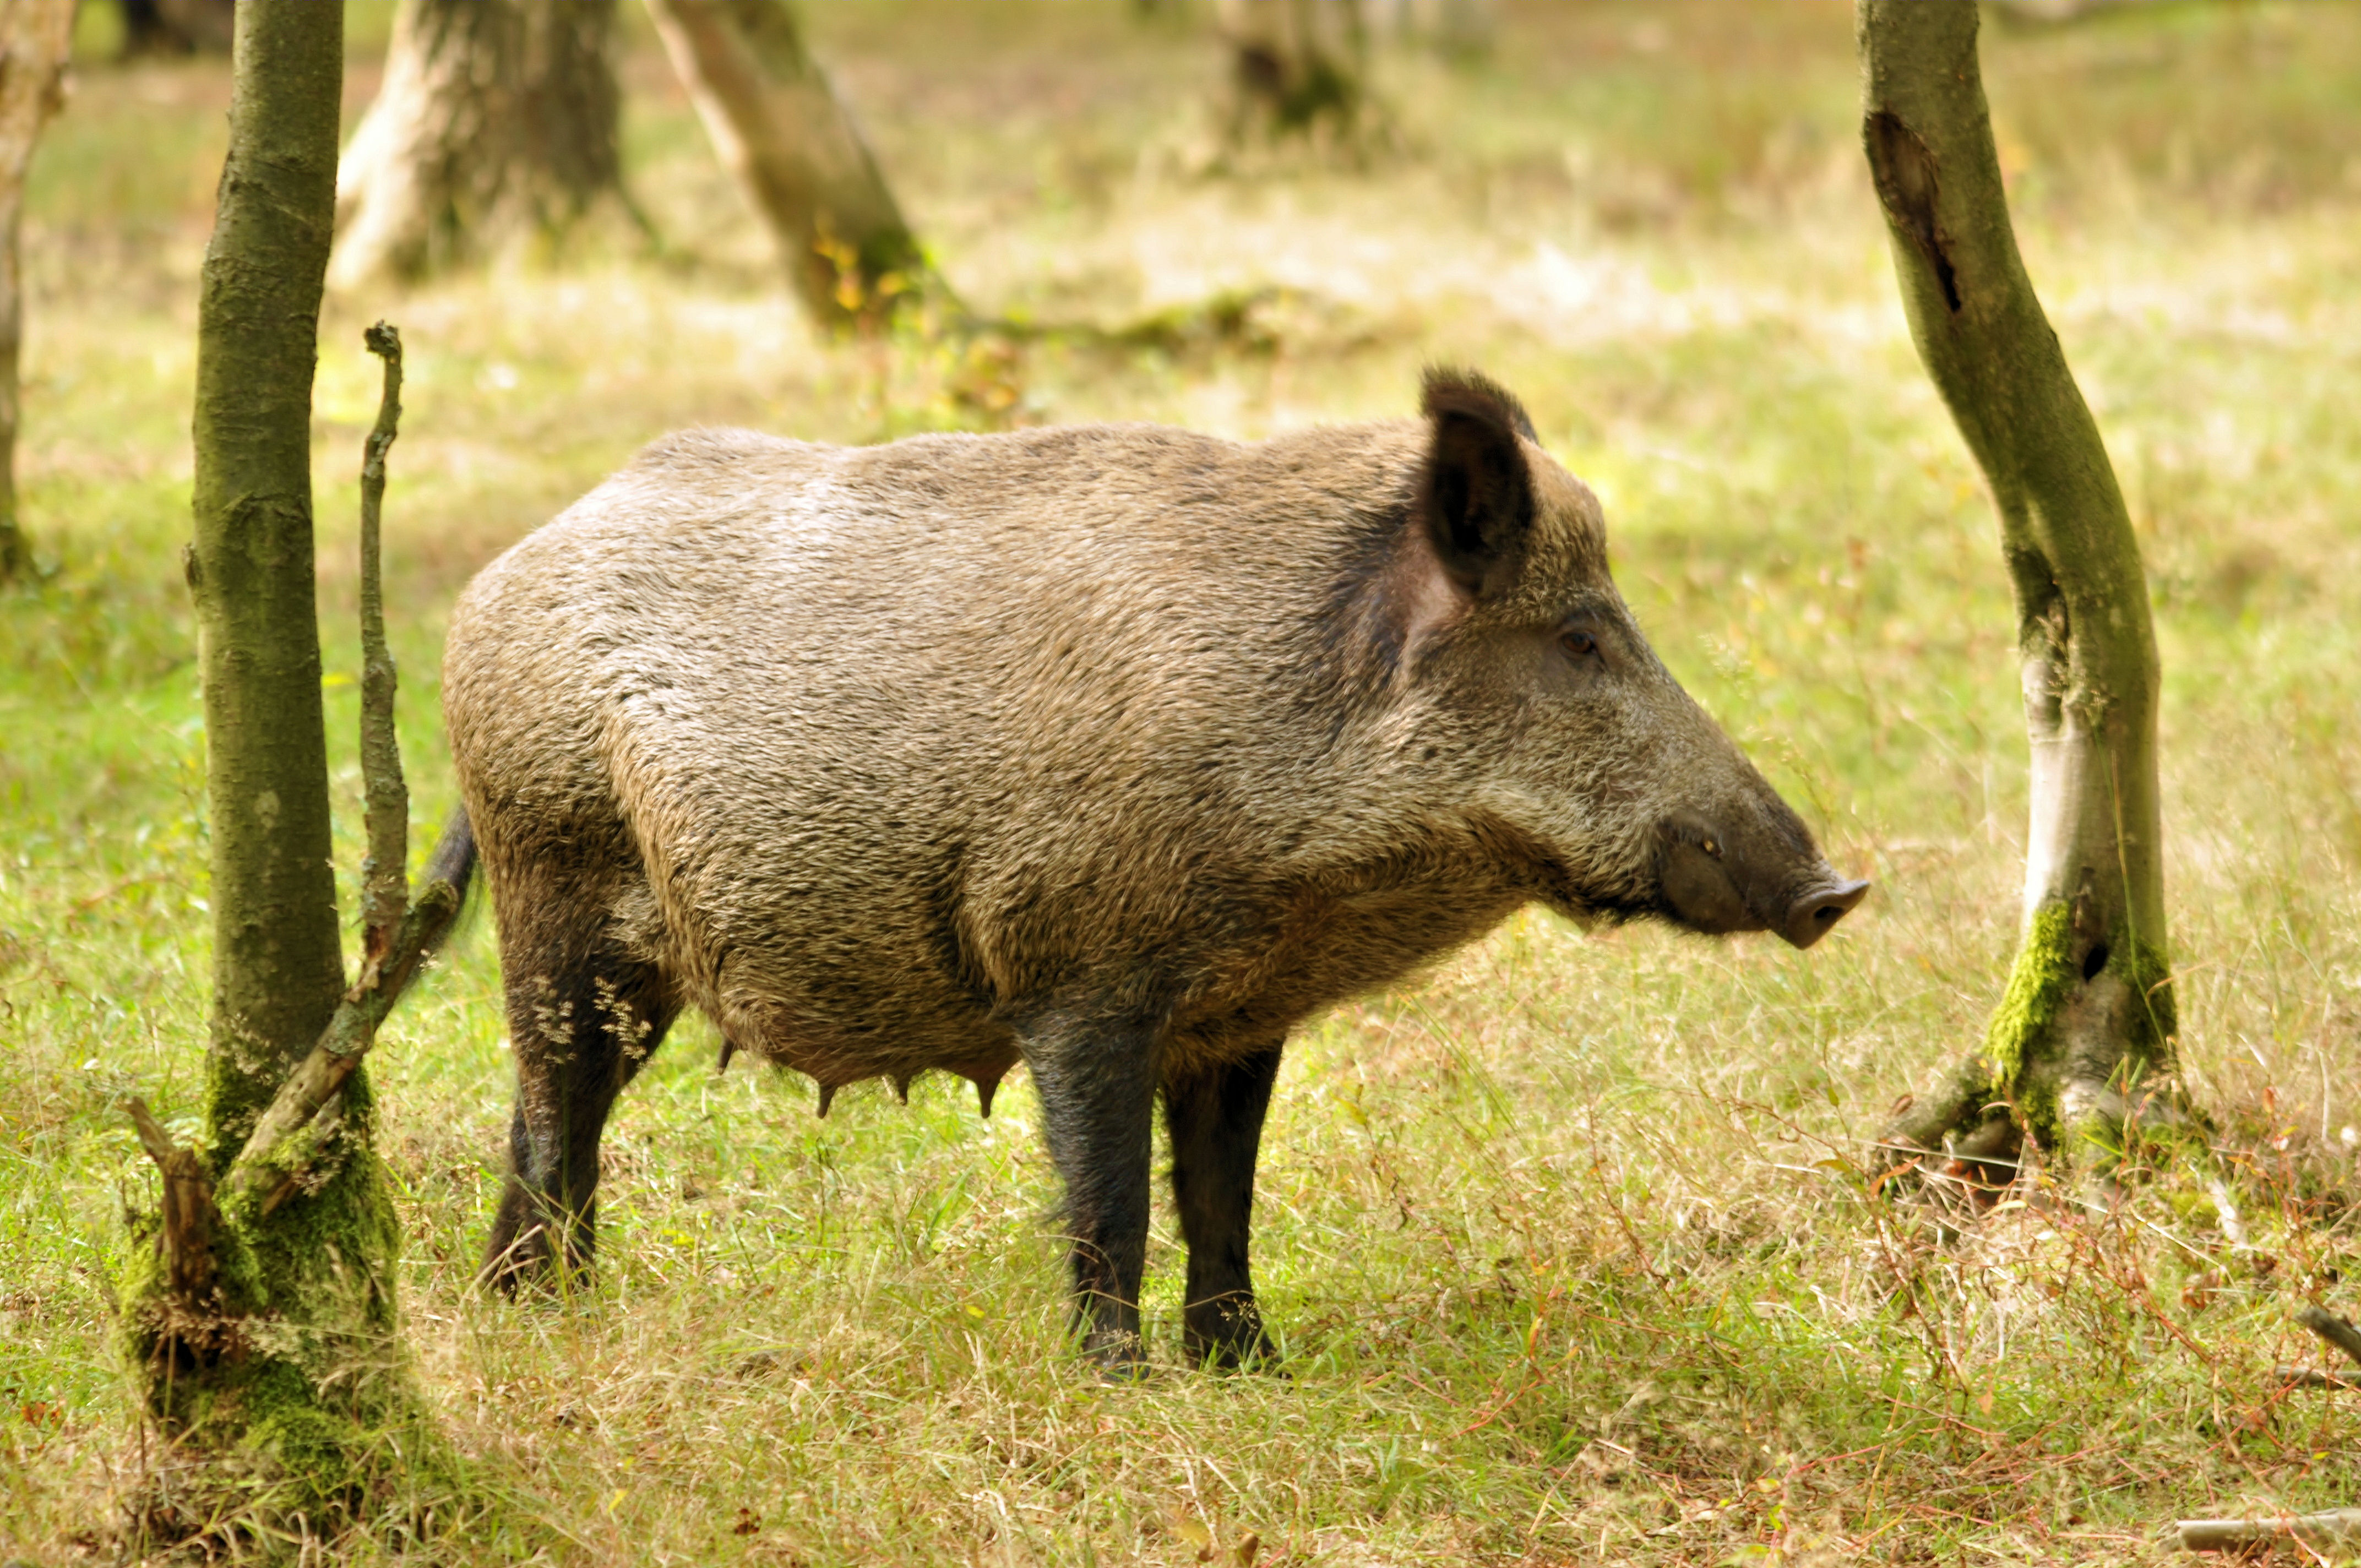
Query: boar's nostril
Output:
(1809,917)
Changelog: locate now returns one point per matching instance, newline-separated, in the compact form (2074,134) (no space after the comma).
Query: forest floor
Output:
(1568,1245)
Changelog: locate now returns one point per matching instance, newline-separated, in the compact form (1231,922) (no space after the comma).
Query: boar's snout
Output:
(1716,883)
(1809,917)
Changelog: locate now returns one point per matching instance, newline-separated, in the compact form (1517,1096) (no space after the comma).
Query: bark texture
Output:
(2084,1034)
(36,38)
(262,1330)
(780,128)
(497,117)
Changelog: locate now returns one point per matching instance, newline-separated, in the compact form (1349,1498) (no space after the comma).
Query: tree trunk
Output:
(2084,1036)
(35,37)
(782,130)
(1298,66)
(497,117)
(261,1329)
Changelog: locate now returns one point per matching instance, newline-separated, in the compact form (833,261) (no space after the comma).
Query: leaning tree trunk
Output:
(2084,1036)
(782,130)
(259,1302)
(497,117)
(35,37)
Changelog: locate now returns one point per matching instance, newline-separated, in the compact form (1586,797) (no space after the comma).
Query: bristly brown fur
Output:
(1117,748)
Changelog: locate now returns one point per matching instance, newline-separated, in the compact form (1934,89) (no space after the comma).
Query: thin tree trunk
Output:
(2084,1036)
(260,1328)
(782,130)
(497,117)
(35,37)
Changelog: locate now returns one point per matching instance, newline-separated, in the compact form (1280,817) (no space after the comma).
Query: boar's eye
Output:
(1578,645)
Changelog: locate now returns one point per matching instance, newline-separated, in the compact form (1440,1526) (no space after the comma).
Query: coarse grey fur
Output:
(1115,748)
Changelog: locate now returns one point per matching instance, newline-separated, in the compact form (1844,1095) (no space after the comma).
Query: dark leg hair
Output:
(1098,1104)
(1215,1118)
(583,1016)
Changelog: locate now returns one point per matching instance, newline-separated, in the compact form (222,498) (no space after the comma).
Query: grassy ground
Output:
(1567,1245)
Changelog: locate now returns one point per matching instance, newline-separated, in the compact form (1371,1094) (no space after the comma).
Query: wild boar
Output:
(1115,750)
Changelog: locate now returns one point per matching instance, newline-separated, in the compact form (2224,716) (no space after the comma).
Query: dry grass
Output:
(1568,1246)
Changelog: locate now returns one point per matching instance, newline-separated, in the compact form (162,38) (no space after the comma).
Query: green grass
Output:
(1567,1245)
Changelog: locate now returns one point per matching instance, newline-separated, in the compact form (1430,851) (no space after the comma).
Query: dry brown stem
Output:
(385,872)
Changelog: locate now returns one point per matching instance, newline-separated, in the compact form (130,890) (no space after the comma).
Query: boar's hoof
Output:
(1227,1335)
(1809,917)
(528,1263)
(1121,1354)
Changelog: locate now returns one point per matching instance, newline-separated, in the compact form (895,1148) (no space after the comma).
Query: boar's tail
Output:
(454,860)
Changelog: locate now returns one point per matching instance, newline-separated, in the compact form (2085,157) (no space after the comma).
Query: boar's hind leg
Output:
(1098,1108)
(1215,1119)
(583,1015)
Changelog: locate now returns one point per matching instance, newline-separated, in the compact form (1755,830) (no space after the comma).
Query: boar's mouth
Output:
(1713,884)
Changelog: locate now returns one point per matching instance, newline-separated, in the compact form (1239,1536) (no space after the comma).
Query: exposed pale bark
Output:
(2084,1034)
(497,117)
(35,37)
(780,128)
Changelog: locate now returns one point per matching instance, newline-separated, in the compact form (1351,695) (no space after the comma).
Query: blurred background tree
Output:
(497,119)
(35,39)
(177,26)
(802,162)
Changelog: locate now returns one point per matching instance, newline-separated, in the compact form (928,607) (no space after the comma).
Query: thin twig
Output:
(385,874)
(2317,1377)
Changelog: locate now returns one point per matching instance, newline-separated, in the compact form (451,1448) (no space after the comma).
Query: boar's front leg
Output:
(1215,1115)
(1097,1085)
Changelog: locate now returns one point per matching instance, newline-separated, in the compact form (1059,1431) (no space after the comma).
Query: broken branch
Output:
(385,872)
(2332,1329)
(2336,1528)
(187,1238)
(268,1167)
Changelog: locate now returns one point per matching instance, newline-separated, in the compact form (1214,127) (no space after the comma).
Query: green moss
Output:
(314,1406)
(2037,986)
(2155,1018)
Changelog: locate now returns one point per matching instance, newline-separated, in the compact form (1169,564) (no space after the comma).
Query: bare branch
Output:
(2337,1527)
(271,1163)
(385,875)
(2332,1329)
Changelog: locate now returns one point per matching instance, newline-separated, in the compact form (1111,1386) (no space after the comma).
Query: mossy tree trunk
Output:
(36,38)
(780,128)
(258,1308)
(496,118)
(2084,1036)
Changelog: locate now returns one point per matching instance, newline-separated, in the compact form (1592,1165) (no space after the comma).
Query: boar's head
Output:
(1552,718)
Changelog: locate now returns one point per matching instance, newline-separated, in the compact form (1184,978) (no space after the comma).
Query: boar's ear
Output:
(1475,493)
